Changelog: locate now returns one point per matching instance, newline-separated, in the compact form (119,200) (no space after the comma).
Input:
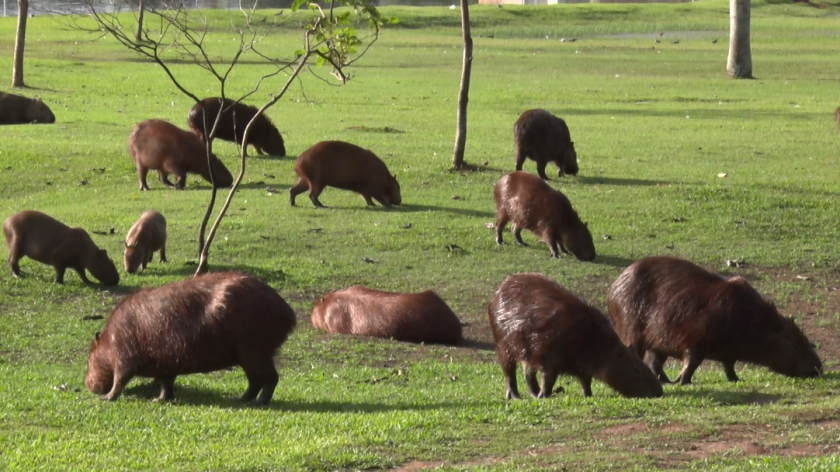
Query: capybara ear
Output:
(103,252)
(126,243)
(395,176)
(96,336)
(38,100)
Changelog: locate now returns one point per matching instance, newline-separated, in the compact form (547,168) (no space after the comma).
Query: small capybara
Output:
(543,137)
(202,324)
(528,202)
(548,329)
(146,236)
(15,109)
(413,317)
(345,166)
(46,240)
(263,137)
(162,146)
(673,308)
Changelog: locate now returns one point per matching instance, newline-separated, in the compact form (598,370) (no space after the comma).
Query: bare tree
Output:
(464,92)
(20,41)
(139,34)
(739,63)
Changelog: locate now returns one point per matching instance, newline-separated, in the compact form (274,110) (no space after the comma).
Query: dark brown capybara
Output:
(162,146)
(46,240)
(673,308)
(548,329)
(543,137)
(235,118)
(198,325)
(146,236)
(413,317)
(530,203)
(15,109)
(345,166)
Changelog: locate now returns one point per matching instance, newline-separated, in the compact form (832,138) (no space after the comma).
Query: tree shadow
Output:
(622,182)
(29,87)
(613,261)
(266,275)
(477,345)
(408,208)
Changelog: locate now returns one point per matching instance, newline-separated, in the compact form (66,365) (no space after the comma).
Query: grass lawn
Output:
(654,124)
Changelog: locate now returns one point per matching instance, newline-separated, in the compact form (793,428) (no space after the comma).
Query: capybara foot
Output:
(511,395)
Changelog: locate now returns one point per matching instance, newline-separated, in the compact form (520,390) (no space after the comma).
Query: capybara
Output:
(548,329)
(528,202)
(263,137)
(46,240)
(345,166)
(146,236)
(162,146)
(673,308)
(413,317)
(543,137)
(201,324)
(15,109)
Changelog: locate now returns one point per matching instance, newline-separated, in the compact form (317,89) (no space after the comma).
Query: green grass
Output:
(653,123)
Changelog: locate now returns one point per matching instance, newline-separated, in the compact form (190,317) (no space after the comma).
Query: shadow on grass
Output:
(613,261)
(724,398)
(622,182)
(408,208)
(266,275)
(477,345)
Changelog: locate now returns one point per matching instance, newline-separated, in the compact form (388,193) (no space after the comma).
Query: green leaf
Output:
(320,61)
(297,4)
(300,52)
(394,20)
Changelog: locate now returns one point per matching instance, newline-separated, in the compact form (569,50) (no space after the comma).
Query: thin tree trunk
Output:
(739,64)
(139,36)
(463,94)
(20,40)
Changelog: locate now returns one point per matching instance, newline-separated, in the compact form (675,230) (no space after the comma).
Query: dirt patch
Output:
(418,465)
(623,430)
(706,449)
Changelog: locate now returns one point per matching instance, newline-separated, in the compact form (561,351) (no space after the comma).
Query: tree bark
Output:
(739,63)
(463,94)
(20,40)
(139,36)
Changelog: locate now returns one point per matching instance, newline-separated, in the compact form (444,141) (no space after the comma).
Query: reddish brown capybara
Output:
(162,146)
(46,240)
(198,325)
(673,308)
(15,109)
(146,236)
(543,137)
(548,329)
(345,166)
(235,118)
(530,203)
(413,317)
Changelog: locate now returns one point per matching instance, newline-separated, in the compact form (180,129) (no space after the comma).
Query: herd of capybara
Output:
(659,307)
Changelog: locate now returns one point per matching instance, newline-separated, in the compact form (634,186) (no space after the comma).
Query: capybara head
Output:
(628,375)
(38,112)
(570,164)
(392,191)
(103,268)
(578,240)
(221,174)
(789,350)
(100,375)
(272,142)
(133,257)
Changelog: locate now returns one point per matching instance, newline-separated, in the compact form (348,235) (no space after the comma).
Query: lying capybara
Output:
(543,137)
(673,308)
(162,146)
(345,166)
(235,118)
(201,324)
(530,203)
(46,240)
(15,109)
(413,317)
(146,236)
(539,323)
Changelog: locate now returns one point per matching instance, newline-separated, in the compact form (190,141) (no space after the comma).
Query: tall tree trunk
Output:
(739,64)
(463,94)
(20,39)
(139,35)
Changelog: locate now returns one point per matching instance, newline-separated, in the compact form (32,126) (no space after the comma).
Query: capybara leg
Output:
(82,275)
(261,374)
(270,380)
(562,247)
(541,170)
(531,379)
(180,181)
(368,200)
(691,363)
(314,193)
(656,365)
(298,188)
(552,246)
(586,383)
(729,368)
(59,274)
(501,221)
(383,200)
(509,370)
(121,379)
(257,148)
(549,377)
(167,388)
(163,253)
(517,234)
(141,174)
(163,177)
(520,157)
(14,258)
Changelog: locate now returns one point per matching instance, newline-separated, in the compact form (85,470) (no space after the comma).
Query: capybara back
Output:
(15,109)
(543,137)
(264,136)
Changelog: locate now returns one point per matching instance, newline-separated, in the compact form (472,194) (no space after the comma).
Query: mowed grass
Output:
(654,124)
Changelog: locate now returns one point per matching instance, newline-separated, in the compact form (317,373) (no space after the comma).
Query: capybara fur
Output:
(530,203)
(162,146)
(413,317)
(44,239)
(670,307)
(15,109)
(542,137)
(548,329)
(146,236)
(345,166)
(264,136)
(198,325)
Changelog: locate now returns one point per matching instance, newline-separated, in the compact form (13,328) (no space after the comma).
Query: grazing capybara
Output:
(413,317)
(264,135)
(46,240)
(15,109)
(548,329)
(146,236)
(528,202)
(543,137)
(345,166)
(201,324)
(673,308)
(162,146)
